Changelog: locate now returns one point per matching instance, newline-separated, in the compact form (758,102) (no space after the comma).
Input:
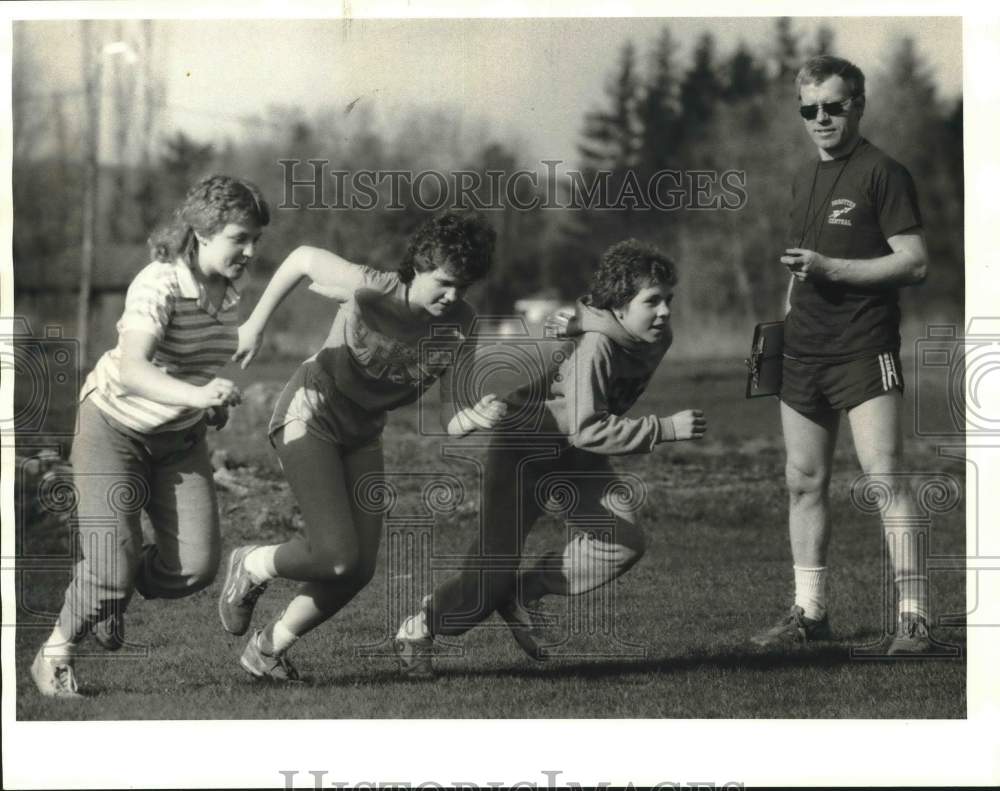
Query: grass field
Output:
(675,646)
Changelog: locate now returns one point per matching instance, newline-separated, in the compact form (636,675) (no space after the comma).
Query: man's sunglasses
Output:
(810,111)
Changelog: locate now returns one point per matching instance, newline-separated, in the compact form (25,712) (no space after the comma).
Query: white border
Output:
(249,754)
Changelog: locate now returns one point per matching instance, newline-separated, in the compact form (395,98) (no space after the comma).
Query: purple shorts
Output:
(312,397)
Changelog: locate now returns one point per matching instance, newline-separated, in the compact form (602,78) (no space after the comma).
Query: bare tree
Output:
(28,110)
(123,94)
(62,162)
(91,65)
(151,99)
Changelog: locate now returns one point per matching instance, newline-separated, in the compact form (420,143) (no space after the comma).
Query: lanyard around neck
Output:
(807,222)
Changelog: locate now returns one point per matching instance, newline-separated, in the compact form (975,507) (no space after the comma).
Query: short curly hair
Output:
(460,241)
(624,269)
(208,207)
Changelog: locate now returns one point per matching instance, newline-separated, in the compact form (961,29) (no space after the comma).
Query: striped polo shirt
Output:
(193,341)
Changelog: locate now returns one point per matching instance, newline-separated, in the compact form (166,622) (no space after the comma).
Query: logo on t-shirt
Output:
(841,206)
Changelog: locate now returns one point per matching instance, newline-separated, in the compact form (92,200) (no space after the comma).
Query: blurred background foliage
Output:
(710,112)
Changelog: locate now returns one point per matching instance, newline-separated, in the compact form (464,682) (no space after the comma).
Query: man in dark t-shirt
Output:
(854,238)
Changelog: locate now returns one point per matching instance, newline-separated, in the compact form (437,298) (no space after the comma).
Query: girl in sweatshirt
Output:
(621,332)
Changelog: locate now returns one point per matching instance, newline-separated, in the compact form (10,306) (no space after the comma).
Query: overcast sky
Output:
(525,82)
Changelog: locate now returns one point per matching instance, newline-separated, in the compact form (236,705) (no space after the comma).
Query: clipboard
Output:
(764,363)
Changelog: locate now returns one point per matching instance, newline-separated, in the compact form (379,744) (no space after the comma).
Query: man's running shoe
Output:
(912,638)
(794,628)
(239,593)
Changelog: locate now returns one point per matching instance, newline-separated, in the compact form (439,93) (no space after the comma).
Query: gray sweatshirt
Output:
(596,379)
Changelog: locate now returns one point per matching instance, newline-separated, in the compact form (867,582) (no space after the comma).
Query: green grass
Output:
(717,569)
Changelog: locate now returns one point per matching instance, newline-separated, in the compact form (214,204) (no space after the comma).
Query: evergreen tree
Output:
(518,269)
(611,136)
(701,88)
(905,116)
(786,50)
(744,76)
(659,110)
(904,108)
(611,152)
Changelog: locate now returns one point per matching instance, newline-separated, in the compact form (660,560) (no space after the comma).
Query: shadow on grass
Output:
(824,655)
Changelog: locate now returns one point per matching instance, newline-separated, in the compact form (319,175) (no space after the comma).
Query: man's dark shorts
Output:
(811,388)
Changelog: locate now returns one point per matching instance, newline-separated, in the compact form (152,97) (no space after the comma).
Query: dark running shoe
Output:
(793,629)
(912,638)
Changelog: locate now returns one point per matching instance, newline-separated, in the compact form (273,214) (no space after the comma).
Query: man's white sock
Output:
(810,590)
(913,595)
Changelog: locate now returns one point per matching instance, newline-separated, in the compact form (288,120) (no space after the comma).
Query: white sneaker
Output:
(54,677)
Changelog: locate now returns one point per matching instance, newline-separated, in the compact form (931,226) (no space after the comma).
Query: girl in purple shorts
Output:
(328,421)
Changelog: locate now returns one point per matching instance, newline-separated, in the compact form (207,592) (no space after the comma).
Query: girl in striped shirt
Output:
(328,422)
(142,421)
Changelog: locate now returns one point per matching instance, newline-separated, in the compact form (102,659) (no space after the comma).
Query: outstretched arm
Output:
(331,276)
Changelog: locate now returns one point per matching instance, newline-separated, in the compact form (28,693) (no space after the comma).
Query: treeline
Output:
(739,114)
(695,156)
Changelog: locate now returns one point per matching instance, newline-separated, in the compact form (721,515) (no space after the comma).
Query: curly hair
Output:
(624,269)
(208,207)
(461,241)
(822,67)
